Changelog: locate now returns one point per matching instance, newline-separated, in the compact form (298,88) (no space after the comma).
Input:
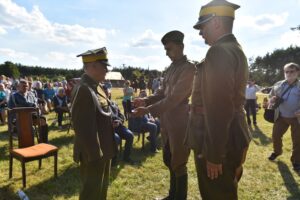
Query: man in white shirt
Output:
(250,105)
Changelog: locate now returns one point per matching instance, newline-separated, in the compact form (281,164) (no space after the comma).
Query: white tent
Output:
(114,76)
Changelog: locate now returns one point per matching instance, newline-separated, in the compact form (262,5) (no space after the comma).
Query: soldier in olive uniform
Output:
(218,131)
(94,136)
(171,104)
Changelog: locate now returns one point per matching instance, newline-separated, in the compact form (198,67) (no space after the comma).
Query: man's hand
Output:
(116,123)
(273,99)
(139,102)
(213,170)
(139,112)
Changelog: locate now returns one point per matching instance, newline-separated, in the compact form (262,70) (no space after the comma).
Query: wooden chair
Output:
(28,151)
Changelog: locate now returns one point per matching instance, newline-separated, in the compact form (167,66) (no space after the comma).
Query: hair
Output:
(38,84)
(227,23)
(127,82)
(143,93)
(292,65)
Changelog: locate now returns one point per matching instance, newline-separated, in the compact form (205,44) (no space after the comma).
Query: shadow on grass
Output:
(138,154)
(289,181)
(4,135)
(4,153)
(65,185)
(6,193)
(258,134)
(62,140)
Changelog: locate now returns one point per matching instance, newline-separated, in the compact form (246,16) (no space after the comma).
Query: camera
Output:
(278,101)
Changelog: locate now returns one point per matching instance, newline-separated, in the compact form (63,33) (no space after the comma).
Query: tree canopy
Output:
(265,70)
(268,69)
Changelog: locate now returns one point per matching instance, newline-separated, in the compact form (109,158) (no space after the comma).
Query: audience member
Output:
(24,98)
(250,105)
(60,103)
(3,103)
(285,99)
(49,93)
(123,132)
(128,93)
(40,96)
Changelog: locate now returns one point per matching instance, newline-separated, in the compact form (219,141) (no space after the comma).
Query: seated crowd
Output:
(48,97)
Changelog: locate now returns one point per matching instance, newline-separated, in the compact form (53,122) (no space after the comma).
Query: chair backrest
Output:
(24,125)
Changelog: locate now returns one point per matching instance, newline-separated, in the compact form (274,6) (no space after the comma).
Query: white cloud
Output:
(12,54)
(263,22)
(148,39)
(290,38)
(63,60)
(2,31)
(13,16)
(153,62)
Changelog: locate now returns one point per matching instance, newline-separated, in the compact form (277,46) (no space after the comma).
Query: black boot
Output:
(43,134)
(172,189)
(181,187)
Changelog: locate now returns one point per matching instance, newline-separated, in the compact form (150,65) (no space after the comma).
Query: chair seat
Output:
(37,150)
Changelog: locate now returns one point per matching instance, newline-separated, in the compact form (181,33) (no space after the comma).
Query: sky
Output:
(50,33)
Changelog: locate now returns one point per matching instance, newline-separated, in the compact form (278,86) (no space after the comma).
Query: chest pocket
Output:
(102,101)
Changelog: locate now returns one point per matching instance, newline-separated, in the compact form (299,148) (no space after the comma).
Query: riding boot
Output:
(181,187)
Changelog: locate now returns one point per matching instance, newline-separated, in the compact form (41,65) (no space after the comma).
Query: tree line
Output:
(265,70)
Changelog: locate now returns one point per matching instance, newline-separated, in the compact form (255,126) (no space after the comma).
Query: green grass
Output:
(262,179)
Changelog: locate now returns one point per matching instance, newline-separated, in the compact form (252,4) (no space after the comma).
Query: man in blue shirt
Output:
(285,114)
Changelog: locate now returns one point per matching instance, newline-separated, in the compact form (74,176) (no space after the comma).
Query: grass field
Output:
(262,179)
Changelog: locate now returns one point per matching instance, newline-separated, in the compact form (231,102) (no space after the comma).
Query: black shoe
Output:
(129,161)
(296,167)
(166,198)
(154,151)
(114,162)
(181,187)
(273,156)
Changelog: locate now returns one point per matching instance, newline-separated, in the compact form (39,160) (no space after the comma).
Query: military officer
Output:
(170,103)
(220,129)
(94,145)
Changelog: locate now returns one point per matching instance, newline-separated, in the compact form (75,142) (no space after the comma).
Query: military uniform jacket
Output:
(195,128)
(94,136)
(171,104)
(223,83)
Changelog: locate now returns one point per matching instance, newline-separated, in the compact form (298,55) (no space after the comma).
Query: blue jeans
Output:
(126,135)
(153,130)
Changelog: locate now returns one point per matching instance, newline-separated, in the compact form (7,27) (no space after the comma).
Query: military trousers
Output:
(225,186)
(95,179)
(279,129)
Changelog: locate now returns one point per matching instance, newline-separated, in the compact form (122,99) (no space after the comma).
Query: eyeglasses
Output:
(289,72)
